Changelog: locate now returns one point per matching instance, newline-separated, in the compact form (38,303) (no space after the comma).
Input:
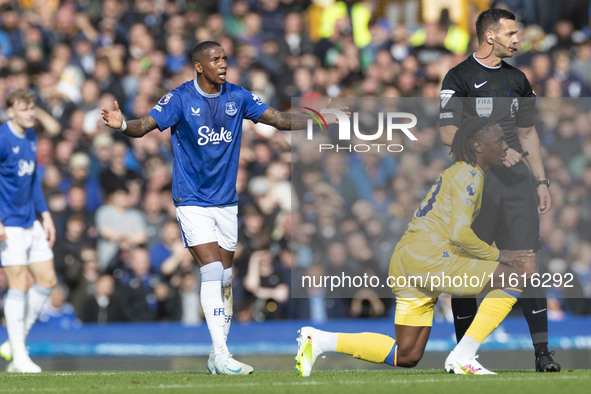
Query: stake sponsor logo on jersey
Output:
(211,135)
(26,167)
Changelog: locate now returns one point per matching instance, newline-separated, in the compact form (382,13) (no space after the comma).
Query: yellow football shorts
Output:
(419,273)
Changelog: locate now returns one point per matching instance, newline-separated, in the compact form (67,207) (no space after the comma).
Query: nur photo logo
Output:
(317,117)
(348,128)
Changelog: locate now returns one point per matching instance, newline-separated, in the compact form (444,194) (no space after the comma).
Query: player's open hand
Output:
(511,256)
(48,227)
(523,260)
(513,157)
(333,118)
(113,119)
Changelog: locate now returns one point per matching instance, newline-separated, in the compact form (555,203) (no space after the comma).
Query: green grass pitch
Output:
(261,382)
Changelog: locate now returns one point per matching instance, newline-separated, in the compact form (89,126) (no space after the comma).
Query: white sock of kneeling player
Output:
(213,306)
(36,298)
(467,346)
(14,312)
(228,299)
(326,341)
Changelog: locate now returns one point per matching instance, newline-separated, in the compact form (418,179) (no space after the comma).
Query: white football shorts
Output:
(201,225)
(24,246)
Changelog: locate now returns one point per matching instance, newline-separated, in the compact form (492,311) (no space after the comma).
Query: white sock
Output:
(467,346)
(212,304)
(14,311)
(36,298)
(228,299)
(325,340)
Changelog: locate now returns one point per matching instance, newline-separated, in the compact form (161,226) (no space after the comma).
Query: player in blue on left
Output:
(25,243)
(205,119)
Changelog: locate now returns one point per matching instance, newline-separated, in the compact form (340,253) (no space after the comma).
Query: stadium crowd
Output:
(119,255)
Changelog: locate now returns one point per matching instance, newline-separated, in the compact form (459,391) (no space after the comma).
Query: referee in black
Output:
(484,85)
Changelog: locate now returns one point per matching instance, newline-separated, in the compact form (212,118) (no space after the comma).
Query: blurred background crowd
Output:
(119,254)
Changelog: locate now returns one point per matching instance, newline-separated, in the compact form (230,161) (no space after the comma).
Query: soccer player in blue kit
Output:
(25,243)
(205,118)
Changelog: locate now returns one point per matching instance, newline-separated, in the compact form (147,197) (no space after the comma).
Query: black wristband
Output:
(543,182)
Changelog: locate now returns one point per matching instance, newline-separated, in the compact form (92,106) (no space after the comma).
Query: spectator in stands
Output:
(67,249)
(169,256)
(141,291)
(190,300)
(104,306)
(155,217)
(58,312)
(78,175)
(86,280)
(266,284)
(119,226)
(76,200)
(118,175)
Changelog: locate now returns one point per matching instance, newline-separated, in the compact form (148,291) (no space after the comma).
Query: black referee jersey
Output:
(502,92)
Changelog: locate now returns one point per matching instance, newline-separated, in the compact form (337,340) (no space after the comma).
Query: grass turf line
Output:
(262,382)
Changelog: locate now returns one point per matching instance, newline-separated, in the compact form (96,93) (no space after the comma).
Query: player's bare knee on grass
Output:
(409,360)
(409,355)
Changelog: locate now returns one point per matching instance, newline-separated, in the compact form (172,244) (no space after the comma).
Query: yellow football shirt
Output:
(448,210)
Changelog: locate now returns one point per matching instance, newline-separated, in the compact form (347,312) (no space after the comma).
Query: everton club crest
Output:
(231,108)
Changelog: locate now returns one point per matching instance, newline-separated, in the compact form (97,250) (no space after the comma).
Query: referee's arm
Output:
(528,137)
(446,133)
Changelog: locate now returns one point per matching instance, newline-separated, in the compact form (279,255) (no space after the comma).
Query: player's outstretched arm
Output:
(288,121)
(283,120)
(528,137)
(134,128)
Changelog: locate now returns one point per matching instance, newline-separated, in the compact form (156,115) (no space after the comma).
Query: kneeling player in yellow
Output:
(439,253)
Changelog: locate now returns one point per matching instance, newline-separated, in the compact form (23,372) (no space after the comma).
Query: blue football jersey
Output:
(206,132)
(21,197)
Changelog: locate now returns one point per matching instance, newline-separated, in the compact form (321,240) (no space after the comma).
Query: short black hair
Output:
(473,129)
(201,48)
(489,19)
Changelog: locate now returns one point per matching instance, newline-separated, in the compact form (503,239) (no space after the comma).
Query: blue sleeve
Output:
(3,150)
(38,199)
(254,107)
(167,112)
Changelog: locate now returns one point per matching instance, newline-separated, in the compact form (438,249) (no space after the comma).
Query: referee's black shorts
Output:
(509,211)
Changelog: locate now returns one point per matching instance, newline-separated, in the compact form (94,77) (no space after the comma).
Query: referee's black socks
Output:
(535,310)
